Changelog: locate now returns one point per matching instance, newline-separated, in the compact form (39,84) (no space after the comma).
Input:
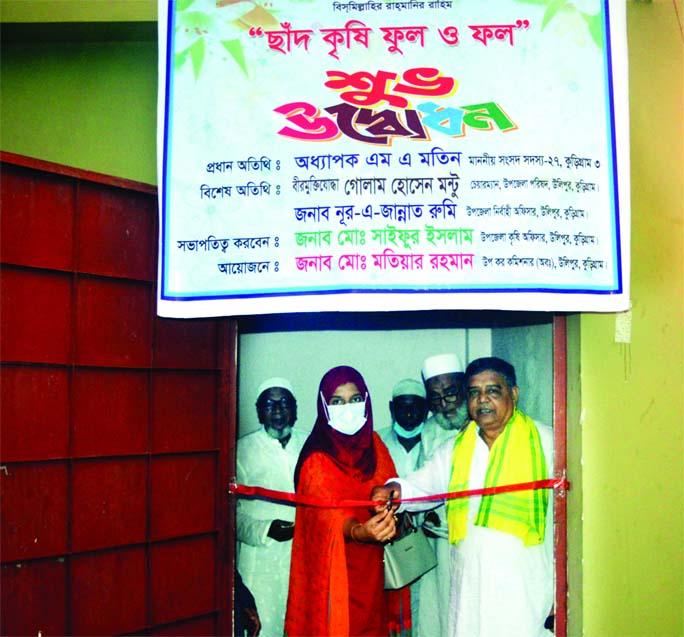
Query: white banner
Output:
(441,154)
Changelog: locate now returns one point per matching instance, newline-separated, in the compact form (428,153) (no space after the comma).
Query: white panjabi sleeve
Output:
(431,478)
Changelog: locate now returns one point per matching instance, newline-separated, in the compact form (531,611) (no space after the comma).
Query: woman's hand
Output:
(384,494)
(379,529)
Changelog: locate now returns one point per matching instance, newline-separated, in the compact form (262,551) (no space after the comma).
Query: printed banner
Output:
(318,155)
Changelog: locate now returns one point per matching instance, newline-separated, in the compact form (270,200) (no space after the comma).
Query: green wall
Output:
(633,394)
(88,104)
(88,99)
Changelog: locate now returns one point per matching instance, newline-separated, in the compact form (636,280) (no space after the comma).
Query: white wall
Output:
(528,349)
(382,357)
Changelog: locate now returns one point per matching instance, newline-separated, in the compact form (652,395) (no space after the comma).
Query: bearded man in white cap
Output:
(443,378)
(408,409)
(267,458)
(500,546)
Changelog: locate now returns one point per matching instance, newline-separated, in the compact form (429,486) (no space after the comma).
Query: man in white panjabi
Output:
(501,546)
(443,378)
(408,409)
(267,458)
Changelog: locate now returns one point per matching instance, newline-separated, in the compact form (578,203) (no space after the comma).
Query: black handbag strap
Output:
(405,525)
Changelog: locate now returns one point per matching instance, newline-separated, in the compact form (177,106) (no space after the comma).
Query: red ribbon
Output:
(324,503)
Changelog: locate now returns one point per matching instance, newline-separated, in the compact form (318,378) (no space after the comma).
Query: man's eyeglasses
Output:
(283,403)
(450,397)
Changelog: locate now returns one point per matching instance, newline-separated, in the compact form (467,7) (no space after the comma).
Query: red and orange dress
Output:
(336,585)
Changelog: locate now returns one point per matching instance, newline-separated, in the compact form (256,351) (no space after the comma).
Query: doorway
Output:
(386,347)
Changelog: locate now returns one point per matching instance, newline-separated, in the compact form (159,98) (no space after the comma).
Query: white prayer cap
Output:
(441,364)
(408,387)
(276,381)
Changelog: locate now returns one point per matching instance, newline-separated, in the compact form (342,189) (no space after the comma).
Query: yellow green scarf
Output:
(516,456)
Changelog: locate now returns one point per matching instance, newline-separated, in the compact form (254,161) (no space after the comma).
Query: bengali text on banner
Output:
(385,155)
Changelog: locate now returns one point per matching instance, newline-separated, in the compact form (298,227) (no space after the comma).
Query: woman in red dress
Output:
(336,573)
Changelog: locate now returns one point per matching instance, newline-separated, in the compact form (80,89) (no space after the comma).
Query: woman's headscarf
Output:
(354,454)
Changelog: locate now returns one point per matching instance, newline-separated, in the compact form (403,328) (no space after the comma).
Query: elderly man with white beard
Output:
(267,458)
(500,545)
(443,378)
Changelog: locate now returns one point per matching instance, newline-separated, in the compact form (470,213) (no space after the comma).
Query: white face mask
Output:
(408,433)
(347,418)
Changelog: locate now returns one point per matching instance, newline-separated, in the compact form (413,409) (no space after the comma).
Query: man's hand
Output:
(252,622)
(432,519)
(281,530)
(383,494)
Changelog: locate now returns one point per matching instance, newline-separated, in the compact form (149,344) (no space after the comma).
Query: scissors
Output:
(389,502)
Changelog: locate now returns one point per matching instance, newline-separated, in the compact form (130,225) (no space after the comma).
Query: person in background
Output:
(337,574)
(408,409)
(501,546)
(267,458)
(443,378)
(246,615)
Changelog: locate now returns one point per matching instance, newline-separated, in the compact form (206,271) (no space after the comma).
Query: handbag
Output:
(408,556)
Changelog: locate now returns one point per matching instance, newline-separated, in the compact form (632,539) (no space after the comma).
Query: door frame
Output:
(560,378)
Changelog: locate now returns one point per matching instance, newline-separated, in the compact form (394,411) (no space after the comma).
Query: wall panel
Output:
(109,503)
(183,343)
(114,438)
(183,495)
(109,592)
(183,411)
(183,582)
(113,326)
(37,219)
(194,628)
(110,412)
(37,329)
(33,510)
(34,598)
(116,233)
(36,401)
